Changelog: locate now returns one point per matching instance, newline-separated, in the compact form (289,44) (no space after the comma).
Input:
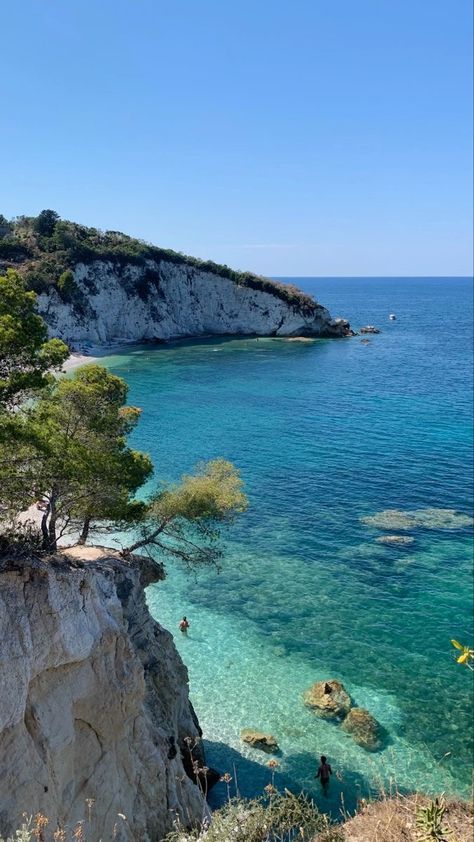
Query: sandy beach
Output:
(75,360)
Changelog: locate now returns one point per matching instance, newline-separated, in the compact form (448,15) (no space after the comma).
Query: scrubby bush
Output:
(281,818)
(48,247)
(5,227)
(66,284)
(18,543)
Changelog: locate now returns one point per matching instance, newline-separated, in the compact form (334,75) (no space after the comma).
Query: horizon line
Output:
(365,277)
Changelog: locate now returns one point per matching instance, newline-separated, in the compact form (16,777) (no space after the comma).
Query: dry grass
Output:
(90,552)
(394,820)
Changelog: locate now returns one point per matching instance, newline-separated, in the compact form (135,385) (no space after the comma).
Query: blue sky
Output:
(291,137)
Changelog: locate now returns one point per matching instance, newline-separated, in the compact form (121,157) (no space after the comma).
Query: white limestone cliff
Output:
(162,300)
(94,707)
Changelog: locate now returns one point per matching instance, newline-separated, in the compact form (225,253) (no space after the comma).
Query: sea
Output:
(339,442)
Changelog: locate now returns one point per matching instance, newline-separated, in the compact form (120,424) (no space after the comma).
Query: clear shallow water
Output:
(326,433)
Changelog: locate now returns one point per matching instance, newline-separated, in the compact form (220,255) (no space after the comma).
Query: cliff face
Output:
(94,703)
(163,300)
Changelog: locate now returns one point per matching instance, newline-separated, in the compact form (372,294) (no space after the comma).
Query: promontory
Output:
(105,288)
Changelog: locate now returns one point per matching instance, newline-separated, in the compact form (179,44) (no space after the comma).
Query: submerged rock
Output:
(328,699)
(364,729)
(257,739)
(402,540)
(429,518)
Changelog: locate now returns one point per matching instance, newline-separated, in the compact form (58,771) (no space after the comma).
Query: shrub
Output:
(66,283)
(18,543)
(279,819)
(50,246)
(45,222)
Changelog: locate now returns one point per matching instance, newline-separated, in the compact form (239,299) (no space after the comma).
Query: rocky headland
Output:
(180,301)
(106,288)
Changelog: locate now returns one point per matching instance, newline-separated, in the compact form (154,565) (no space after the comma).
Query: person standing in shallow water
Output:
(184,625)
(324,772)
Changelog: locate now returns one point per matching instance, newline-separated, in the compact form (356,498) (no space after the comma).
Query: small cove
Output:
(325,434)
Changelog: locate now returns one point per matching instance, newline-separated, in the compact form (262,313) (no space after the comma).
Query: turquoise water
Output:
(326,433)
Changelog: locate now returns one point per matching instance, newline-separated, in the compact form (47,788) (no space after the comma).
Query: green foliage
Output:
(23,834)
(48,246)
(12,251)
(5,226)
(66,283)
(71,453)
(20,543)
(429,821)
(184,520)
(26,354)
(213,493)
(45,222)
(284,817)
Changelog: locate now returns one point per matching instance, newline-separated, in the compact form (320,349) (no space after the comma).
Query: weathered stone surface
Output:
(257,739)
(364,729)
(430,518)
(328,699)
(93,702)
(183,301)
(401,540)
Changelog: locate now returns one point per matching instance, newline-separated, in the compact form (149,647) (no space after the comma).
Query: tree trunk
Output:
(44,529)
(147,540)
(53,542)
(85,531)
(53,515)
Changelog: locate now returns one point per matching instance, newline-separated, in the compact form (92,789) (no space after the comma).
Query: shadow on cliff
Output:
(345,789)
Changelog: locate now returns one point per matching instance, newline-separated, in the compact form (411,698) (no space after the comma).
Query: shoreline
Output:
(76,358)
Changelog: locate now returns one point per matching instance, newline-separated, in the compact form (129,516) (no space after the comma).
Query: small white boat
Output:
(392,317)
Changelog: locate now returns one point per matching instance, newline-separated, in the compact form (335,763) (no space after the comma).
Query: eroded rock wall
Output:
(94,706)
(114,303)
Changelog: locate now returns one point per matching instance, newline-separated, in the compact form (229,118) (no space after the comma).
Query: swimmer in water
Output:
(323,773)
(184,625)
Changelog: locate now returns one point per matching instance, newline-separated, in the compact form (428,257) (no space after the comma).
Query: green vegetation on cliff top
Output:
(46,248)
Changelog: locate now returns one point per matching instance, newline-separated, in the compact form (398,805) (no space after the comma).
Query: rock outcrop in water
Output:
(94,702)
(328,699)
(257,739)
(163,300)
(429,518)
(395,540)
(363,728)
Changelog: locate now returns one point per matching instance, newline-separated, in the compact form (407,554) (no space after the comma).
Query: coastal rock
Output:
(257,739)
(163,300)
(328,699)
(397,540)
(94,702)
(363,728)
(429,518)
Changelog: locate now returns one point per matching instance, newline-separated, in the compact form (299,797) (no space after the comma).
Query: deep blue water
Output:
(326,433)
